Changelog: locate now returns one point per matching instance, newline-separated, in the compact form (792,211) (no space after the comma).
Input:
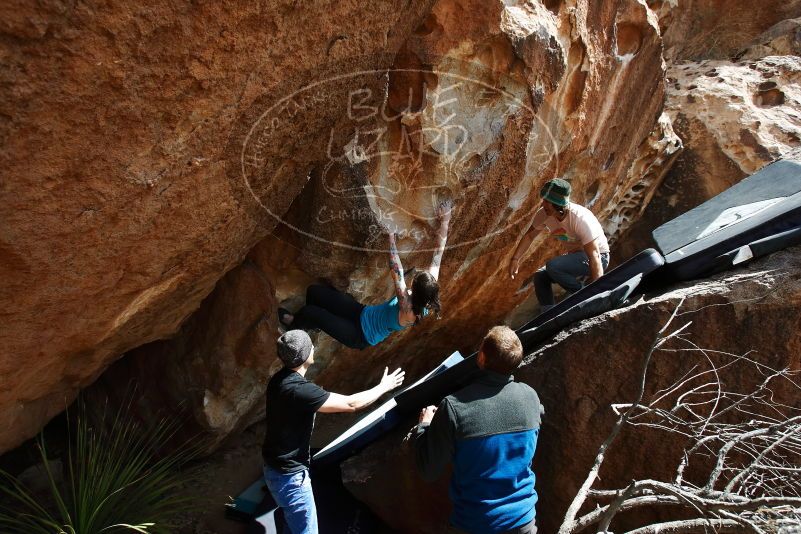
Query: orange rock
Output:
(484,104)
(122,203)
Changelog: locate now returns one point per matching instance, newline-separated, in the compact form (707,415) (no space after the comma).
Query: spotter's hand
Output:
(427,414)
(391,381)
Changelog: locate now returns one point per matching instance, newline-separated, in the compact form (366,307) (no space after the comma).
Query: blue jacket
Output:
(488,431)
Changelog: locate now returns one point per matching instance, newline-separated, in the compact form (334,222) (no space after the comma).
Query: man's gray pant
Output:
(565,270)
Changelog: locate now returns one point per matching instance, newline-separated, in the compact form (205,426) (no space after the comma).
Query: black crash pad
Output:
(642,264)
(591,307)
(757,216)
(428,390)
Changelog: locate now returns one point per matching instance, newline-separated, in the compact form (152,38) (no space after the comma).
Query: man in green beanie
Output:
(586,249)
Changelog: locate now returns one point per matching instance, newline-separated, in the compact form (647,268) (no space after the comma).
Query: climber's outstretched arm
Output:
(396,270)
(444,211)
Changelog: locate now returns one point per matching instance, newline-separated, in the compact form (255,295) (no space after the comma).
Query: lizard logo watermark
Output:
(382,148)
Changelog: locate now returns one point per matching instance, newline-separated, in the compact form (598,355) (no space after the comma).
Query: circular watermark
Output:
(394,149)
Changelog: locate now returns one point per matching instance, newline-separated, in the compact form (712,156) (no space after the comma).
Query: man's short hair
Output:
(502,350)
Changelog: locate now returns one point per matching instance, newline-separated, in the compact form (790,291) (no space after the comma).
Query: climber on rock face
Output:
(358,326)
(587,251)
(292,402)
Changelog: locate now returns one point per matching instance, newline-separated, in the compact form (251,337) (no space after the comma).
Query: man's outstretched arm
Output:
(434,441)
(521,249)
(594,257)
(337,403)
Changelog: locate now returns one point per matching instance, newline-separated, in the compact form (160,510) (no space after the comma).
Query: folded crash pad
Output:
(642,264)
(248,503)
(429,389)
(757,216)
(591,307)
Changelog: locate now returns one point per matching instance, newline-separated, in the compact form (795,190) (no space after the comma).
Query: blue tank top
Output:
(379,321)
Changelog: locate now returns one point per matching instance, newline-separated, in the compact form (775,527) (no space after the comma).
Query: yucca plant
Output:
(117,478)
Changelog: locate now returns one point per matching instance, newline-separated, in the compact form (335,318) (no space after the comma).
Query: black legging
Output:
(335,313)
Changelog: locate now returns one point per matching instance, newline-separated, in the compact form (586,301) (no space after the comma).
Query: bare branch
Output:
(713,478)
(690,526)
(748,441)
(648,500)
(581,496)
(744,473)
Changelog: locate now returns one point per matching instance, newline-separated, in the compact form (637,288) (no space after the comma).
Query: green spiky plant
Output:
(116,479)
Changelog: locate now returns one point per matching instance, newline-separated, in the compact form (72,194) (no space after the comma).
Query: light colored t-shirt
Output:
(580,227)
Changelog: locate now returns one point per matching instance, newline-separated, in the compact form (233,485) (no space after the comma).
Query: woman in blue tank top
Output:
(358,326)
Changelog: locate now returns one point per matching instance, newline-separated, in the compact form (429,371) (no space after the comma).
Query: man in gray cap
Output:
(580,233)
(292,402)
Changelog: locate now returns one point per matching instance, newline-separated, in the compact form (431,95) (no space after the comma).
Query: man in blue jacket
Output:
(488,431)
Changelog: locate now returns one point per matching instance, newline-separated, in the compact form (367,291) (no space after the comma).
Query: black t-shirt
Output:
(292,402)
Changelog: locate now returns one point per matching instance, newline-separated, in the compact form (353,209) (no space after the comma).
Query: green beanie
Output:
(556,191)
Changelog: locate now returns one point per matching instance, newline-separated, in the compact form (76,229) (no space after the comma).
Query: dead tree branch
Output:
(748,443)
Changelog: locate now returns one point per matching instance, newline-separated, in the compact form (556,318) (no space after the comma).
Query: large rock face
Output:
(716,29)
(597,363)
(121,207)
(734,117)
(484,102)
(220,381)
(172,173)
(732,97)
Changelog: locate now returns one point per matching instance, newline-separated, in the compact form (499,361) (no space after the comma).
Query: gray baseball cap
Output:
(294,348)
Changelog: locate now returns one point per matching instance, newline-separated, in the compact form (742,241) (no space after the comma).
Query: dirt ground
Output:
(233,468)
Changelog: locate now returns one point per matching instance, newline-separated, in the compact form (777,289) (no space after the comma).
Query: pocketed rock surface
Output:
(734,116)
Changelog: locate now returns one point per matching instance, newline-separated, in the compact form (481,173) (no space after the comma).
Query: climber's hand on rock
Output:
(514,266)
(445,210)
(427,414)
